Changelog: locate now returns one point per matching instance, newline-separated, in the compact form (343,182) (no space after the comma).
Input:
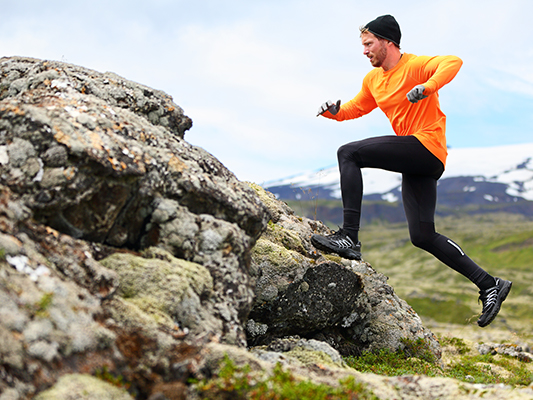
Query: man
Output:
(405,87)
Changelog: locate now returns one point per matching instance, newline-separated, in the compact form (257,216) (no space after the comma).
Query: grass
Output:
(480,369)
(415,358)
(105,375)
(466,365)
(500,243)
(233,382)
(470,366)
(439,310)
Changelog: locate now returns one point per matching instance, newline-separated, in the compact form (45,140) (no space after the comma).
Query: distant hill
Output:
(476,180)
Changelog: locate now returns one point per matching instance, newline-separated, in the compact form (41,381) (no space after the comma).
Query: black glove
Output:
(333,108)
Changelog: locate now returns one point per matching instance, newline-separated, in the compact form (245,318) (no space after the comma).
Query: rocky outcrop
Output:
(120,239)
(301,292)
(131,261)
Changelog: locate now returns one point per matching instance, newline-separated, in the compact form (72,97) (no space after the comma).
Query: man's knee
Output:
(342,152)
(419,240)
(424,236)
(347,151)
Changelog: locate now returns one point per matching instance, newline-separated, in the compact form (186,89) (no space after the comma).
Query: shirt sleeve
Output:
(360,105)
(438,71)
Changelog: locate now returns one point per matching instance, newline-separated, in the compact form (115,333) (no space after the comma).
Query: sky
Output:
(252,73)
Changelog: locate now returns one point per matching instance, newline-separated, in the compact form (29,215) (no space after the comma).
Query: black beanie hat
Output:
(385,27)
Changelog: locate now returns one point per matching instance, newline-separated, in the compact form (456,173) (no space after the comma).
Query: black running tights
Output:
(420,171)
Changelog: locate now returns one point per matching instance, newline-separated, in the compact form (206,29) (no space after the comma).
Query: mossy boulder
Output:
(166,288)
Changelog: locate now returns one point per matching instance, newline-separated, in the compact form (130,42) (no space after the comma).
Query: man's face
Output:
(374,49)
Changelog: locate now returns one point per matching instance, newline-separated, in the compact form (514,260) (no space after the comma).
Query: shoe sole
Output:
(345,253)
(506,288)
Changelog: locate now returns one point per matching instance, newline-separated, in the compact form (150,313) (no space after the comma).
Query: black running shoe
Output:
(492,300)
(338,242)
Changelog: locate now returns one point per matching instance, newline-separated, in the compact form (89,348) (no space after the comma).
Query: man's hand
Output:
(333,108)
(416,94)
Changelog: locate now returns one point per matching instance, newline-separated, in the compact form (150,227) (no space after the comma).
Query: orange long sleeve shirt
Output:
(388,91)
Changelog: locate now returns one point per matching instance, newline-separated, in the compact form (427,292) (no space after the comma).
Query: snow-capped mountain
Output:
(473,175)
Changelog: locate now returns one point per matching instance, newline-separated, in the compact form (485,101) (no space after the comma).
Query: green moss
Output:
(479,369)
(414,358)
(275,254)
(235,382)
(127,313)
(156,285)
(308,357)
(154,307)
(457,343)
(333,258)
(284,237)
(386,362)
(275,207)
(418,348)
(469,367)
(41,308)
(116,380)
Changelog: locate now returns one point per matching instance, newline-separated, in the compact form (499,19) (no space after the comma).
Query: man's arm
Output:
(439,71)
(360,105)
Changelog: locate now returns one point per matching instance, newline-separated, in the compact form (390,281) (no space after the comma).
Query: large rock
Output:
(122,242)
(103,160)
(344,303)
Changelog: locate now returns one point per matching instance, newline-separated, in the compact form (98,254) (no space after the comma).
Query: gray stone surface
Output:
(121,241)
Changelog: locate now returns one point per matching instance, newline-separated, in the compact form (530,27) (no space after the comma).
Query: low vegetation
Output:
(461,362)
(237,383)
(446,301)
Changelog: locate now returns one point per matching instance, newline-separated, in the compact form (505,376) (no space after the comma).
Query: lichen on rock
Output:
(166,288)
(83,387)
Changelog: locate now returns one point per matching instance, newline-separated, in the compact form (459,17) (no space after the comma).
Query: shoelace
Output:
(340,239)
(489,299)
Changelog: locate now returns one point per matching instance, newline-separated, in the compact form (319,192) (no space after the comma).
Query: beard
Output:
(379,57)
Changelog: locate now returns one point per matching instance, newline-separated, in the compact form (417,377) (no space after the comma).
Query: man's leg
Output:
(403,154)
(419,194)
(393,153)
